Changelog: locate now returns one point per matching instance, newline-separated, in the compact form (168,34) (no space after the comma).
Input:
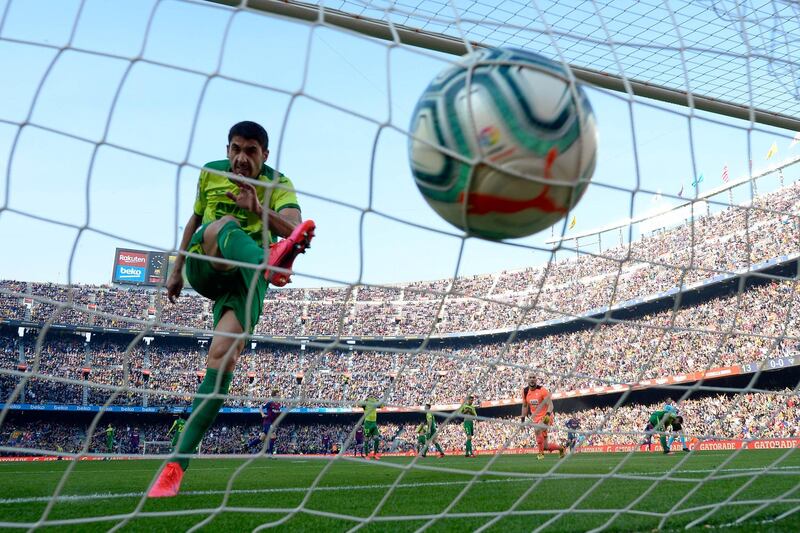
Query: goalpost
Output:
(725,64)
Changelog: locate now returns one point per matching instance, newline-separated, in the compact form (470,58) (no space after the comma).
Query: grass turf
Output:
(574,494)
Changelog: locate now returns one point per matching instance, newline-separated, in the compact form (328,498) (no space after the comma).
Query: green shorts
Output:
(469,427)
(228,288)
(421,439)
(370,429)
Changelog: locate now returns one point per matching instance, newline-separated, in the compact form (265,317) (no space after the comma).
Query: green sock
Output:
(663,440)
(375,445)
(469,446)
(439,448)
(204,411)
(237,245)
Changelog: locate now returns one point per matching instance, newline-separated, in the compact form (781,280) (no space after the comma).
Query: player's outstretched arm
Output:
(175,281)
(281,224)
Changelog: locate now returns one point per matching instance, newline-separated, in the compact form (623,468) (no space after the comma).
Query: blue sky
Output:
(310,88)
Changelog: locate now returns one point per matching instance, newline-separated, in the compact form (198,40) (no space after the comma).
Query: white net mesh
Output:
(687,302)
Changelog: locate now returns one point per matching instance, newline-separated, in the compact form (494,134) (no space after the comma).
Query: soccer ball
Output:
(503,145)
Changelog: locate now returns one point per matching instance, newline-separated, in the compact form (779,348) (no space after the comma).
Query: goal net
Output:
(670,288)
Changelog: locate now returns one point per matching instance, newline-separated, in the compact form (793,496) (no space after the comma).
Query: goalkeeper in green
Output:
(371,433)
(468,410)
(430,438)
(233,227)
(657,423)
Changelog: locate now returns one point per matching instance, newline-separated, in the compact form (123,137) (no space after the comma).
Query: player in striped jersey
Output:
(269,414)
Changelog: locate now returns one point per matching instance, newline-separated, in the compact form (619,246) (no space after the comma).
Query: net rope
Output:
(662,30)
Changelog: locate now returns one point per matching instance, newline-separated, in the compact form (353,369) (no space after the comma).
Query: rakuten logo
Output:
(132,259)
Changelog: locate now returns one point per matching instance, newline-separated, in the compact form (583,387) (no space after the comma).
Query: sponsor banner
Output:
(129,274)
(660,381)
(141,267)
(28,458)
(712,445)
(132,258)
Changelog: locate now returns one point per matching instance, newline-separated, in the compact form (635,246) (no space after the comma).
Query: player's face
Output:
(531,381)
(246,156)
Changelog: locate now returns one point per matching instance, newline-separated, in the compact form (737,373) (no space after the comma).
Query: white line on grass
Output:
(118,495)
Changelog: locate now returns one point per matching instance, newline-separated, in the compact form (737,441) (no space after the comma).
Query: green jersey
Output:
(212,203)
(370,406)
(109,434)
(468,409)
(659,419)
(177,426)
(431,420)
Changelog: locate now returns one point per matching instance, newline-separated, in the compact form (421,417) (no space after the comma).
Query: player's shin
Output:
(540,442)
(663,440)
(204,412)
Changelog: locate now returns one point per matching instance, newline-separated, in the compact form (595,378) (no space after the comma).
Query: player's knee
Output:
(211,233)
(225,355)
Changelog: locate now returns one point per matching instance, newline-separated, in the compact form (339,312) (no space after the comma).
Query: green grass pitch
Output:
(234,495)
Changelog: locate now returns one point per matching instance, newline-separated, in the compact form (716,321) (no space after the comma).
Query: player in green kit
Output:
(371,433)
(430,438)
(177,427)
(232,222)
(422,431)
(468,409)
(657,423)
(109,439)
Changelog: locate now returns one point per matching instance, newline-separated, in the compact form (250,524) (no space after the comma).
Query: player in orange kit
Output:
(537,403)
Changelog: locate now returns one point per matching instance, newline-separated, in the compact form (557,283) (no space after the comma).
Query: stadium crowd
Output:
(731,239)
(751,326)
(736,416)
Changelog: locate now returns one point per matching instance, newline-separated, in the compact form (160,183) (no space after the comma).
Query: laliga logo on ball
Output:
(503,144)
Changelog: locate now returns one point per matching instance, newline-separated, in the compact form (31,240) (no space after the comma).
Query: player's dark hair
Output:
(250,130)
